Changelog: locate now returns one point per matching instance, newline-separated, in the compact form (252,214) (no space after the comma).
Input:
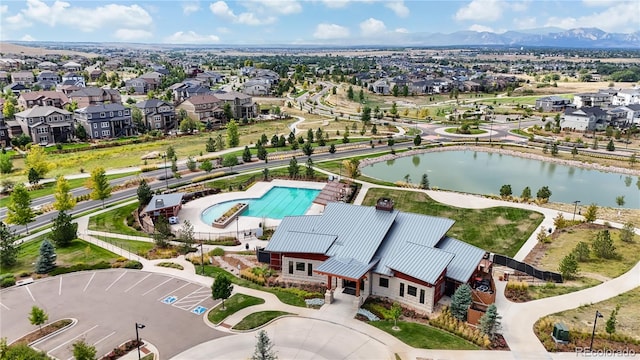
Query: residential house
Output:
(209,78)
(46,124)
(242,105)
(4,78)
(95,74)
(256,87)
(10,64)
(155,75)
(22,77)
(628,114)
(553,104)
(5,140)
(591,99)
(165,205)
(112,64)
(157,114)
(42,98)
(94,96)
(627,97)
(137,86)
(48,66)
(105,121)
(73,79)
(374,251)
(72,66)
(16,88)
(584,119)
(184,90)
(47,80)
(381,87)
(204,108)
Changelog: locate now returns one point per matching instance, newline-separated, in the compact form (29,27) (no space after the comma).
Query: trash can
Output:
(560,332)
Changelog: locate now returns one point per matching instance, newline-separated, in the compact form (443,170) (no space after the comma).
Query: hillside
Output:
(9,48)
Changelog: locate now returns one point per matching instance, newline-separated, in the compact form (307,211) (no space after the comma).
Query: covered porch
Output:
(349,277)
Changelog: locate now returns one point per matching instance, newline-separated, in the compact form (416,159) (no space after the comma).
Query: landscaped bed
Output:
(232,305)
(424,336)
(502,230)
(46,330)
(258,319)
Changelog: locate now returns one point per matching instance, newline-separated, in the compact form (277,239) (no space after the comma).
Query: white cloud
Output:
(190,7)
(525,23)
(191,37)
(330,31)
(372,26)
(132,34)
(401,31)
(398,7)
(335,4)
(87,19)
(622,17)
(17,21)
(599,3)
(221,9)
(519,6)
(284,7)
(480,28)
(27,37)
(4,9)
(480,10)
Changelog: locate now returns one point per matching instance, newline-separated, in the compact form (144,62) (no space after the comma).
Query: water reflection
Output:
(416,160)
(628,180)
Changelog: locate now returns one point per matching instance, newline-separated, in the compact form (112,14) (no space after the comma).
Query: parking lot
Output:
(107,304)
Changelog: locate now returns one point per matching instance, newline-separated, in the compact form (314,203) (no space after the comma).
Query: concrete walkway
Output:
(518,319)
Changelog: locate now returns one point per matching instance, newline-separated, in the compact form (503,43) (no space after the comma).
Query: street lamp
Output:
(166,176)
(138,326)
(202,257)
(575,207)
(237,230)
(593,333)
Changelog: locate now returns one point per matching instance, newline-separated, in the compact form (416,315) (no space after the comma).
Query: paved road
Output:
(107,304)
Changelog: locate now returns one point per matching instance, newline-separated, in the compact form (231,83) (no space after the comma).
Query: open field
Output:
(565,240)
(502,230)
(9,48)
(115,221)
(628,317)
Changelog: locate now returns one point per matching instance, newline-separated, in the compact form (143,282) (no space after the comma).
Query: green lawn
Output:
(134,246)
(114,221)
(471,131)
(50,187)
(257,319)
(79,251)
(424,336)
(551,289)
(502,230)
(286,297)
(232,305)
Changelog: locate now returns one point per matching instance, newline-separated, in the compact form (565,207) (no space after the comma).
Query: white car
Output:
(173,220)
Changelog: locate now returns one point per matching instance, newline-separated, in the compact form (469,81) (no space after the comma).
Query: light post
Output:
(593,333)
(138,326)
(166,176)
(202,257)
(490,128)
(575,207)
(237,228)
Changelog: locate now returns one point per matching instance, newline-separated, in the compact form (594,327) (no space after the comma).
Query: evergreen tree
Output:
(611,146)
(233,137)
(627,233)
(33,176)
(574,151)
(144,192)
(569,266)
(19,210)
(602,245)
(417,140)
(99,185)
(309,172)
(191,164)
(293,167)
(84,351)
(221,288)
(424,183)
(161,232)
(64,200)
(554,149)
(581,251)
(307,149)
(526,194)
(47,259)
(332,149)
(37,159)
(246,154)
(591,214)
(350,94)
(228,112)
(63,230)
(264,348)
(211,145)
(262,153)
(460,302)
(8,248)
(543,193)
(612,321)
(505,190)
(490,322)
(171,152)
(274,141)
(219,141)
(37,316)
(265,174)
(310,136)
(186,235)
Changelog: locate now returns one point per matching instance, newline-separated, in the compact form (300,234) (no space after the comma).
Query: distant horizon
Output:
(300,22)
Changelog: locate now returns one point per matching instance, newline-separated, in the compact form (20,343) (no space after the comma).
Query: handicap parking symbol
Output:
(199,310)
(169,300)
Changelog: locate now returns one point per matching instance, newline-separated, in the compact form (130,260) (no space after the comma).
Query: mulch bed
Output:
(46,330)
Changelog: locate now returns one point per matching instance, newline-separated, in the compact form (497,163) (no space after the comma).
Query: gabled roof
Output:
(345,267)
(292,242)
(151,103)
(231,95)
(34,95)
(421,262)
(101,108)
(164,201)
(88,91)
(203,99)
(465,254)
(38,111)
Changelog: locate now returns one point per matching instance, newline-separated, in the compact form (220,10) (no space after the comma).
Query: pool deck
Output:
(191,211)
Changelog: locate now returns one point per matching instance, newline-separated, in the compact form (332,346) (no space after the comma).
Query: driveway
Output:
(107,304)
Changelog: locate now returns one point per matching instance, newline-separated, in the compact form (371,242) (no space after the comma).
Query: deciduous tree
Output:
(37,159)
(99,185)
(6,164)
(8,248)
(84,351)
(37,317)
(63,230)
(602,245)
(526,194)
(568,266)
(221,288)
(627,233)
(19,210)
(64,200)
(591,213)
(505,190)
(233,137)
(581,251)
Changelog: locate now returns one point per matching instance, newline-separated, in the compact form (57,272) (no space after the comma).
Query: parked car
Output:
(173,220)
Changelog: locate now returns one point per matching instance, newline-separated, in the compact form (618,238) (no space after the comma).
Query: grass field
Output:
(628,316)
(502,230)
(232,305)
(257,319)
(551,289)
(132,246)
(423,336)
(79,251)
(564,243)
(115,221)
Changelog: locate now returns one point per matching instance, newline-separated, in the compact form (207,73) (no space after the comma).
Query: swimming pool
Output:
(277,203)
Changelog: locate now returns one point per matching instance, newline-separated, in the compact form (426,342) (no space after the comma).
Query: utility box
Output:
(560,333)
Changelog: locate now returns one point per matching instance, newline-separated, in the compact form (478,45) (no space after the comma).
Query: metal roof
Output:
(302,242)
(421,262)
(345,267)
(163,201)
(466,260)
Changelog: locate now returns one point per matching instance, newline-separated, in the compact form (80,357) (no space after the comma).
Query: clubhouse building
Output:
(375,251)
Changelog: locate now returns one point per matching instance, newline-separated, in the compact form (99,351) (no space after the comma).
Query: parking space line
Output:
(4,306)
(172,291)
(115,281)
(157,286)
(103,339)
(86,286)
(136,284)
(30,294)
(68,341)
(193,299)
(60,287)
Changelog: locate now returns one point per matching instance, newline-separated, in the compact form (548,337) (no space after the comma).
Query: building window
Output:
(88,116)
(309,269)
(106,133)
(411,290)
(290,267)
(158,125)
(126,112)
(421,296)
(384,282)
(300,266)
(102,115)
(401,290)
(120,113)
(111,114)
(104,125)
(157,118)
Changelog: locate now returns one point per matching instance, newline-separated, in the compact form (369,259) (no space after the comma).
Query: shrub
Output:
(133,264)
(217,252)
(7,280)
(147,168)
(79,267)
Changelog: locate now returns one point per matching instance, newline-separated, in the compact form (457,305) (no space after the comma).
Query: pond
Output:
(484,173)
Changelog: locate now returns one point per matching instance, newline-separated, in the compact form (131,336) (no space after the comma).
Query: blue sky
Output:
(332,22)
